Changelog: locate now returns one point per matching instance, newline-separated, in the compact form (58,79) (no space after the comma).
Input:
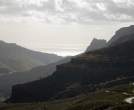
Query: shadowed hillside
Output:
(123,39)
(119,33)
(7,81)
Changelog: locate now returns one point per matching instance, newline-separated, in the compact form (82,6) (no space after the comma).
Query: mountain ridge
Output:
(17,58)
(119,33)
(96,44)
(92,67)
(123,39)
(83,68)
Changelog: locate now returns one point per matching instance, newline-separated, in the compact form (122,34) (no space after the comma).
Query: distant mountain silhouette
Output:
(96,44)
(92,67)
(121,32)
(16,58)
(99,43)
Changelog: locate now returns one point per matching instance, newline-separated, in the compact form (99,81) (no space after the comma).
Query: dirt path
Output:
(129,100)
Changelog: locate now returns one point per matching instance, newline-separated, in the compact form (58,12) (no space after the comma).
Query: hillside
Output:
(7,81)
(119,33)
(108,99)
(92,67)
(16,58)
(123,39)
(100,43)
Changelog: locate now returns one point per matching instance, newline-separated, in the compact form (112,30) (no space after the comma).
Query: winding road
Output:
(129,100)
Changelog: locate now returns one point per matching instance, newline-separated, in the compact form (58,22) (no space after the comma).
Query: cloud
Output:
(66,11)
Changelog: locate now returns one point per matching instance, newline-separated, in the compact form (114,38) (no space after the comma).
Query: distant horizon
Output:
(62,22)
(70,50)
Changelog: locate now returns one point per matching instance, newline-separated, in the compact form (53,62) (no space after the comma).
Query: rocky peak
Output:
(96,44)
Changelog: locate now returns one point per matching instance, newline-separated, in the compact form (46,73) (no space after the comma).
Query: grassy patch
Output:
(112,98)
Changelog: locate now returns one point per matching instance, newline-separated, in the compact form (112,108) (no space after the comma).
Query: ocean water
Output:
(61,50)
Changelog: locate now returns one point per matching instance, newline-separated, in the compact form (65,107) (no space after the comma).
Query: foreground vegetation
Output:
(111,99)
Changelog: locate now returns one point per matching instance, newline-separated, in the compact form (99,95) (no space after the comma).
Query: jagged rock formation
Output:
(121,32)
(92,67)
(96,44)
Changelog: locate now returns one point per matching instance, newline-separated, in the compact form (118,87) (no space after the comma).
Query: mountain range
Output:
(100,43)
(92,67)
(16,58)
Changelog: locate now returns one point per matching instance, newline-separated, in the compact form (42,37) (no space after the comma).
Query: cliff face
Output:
(96,44)
(121,32)
(7,81)
(92,67)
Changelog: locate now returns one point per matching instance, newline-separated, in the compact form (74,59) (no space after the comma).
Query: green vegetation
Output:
(103,99)
(112,98)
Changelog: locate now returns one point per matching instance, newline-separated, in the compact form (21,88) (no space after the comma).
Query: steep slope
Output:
(121,32)
(7,81)
(123,39)
(16,58)
(96,44)
(99,43)
(92,67)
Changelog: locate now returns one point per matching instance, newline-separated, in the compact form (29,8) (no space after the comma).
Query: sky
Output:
(63,27)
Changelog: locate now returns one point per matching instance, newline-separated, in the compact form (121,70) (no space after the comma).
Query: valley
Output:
(92,79)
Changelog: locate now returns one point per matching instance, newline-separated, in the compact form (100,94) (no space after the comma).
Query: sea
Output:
(61,50)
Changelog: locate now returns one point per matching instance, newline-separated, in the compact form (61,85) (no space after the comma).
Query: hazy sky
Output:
(60,25)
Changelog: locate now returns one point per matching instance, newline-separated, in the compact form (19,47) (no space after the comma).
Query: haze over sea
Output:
(61,50)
